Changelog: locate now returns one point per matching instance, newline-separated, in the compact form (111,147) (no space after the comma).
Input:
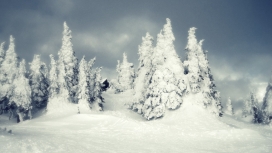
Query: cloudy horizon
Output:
(237,34)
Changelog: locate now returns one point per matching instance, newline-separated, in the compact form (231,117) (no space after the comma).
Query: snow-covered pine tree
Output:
(141,82)
(82,80)
(39,83)
(2,53)
(255,108)
(229,108)
(97,99)
(267,104)
(91,78)
(68,67)
(246,108)
(191,64)
(251,108)
(199,74)
(85,83)
(8,70)
(167,84)
(125,76)
(53,78)
(21,93)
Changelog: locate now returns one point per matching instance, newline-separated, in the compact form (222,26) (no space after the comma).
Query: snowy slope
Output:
(188,129)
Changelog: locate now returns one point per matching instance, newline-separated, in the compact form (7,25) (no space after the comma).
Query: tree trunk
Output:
(20,117)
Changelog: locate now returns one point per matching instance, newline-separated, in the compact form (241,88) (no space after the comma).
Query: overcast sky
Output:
(237,33)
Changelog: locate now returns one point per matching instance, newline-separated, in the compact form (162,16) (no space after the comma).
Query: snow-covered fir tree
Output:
(267,104)
(199,74)
(167,84)
(85,83)
(68,67)
(39,82)
(2,53)
(191,64)
(92,75)
(251,108)
(247,108)
(255,109)
(8,70)
(53,78)
(97,99)
(125,76)
(21,93)
(141,82)
(229,108)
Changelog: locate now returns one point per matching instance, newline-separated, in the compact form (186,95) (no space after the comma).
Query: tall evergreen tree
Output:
(86,82)
(267,104)
(82,80)
(142,80)
(68,67)
(191,64)
(251,108)
(167,84)
(199,74)
(97,99)
(8,70)
(53,78)
(39,82)
(21,93)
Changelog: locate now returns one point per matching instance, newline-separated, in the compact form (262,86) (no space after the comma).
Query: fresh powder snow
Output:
(117,129)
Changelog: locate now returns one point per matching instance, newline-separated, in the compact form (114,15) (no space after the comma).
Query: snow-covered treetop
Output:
(10,63)
(91,62)
(145,50)
(125,58)
(11,50)
(22,69)
(125,62)
(192,41)
(157,57)
(52,59)
(66,51)
(167,31)
(66,32)
(2,52)
(36,64)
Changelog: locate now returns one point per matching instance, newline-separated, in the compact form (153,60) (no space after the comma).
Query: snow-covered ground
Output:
(188,129)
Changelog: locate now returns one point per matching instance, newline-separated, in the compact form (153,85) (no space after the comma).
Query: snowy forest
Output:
(161,81)
(160,86)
